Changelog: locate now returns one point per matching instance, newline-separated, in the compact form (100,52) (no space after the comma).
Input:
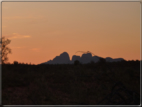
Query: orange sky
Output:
(39,31)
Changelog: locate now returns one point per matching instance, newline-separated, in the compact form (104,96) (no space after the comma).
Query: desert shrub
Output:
(76,62)
(15,62)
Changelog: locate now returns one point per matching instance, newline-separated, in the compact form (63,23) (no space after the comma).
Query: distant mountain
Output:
(63,58)
(108,59)
(86,58)
(74,57)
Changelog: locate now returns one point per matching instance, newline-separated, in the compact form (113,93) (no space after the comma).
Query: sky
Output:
(40,31)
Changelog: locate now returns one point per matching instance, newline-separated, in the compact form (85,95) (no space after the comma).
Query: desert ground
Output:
(114,83)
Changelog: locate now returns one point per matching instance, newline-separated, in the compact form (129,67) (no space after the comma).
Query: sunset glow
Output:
(40,31)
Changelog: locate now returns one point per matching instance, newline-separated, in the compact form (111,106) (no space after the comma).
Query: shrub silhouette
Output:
(15,62)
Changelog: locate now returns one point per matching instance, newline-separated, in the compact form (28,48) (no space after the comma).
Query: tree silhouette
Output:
(4,49)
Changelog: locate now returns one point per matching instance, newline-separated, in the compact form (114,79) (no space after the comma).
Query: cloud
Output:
(35,49)
(27,36)
(16,36)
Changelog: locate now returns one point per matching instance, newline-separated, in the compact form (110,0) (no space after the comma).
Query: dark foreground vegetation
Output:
(77,84)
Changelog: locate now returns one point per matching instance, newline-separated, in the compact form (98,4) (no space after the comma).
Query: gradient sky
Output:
(39,31)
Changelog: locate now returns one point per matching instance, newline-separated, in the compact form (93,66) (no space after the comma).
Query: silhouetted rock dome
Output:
(108,59)
(74,57)
(64,58)
(87,55)
(95,59)
(86,58)
(118,59)
(64,54)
